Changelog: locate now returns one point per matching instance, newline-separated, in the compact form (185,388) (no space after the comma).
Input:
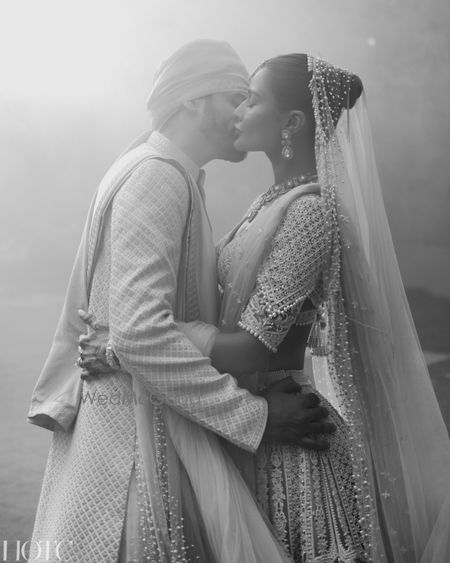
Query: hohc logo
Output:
(35,550)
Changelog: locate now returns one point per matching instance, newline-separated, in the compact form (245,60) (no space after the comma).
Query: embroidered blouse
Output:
(290,274)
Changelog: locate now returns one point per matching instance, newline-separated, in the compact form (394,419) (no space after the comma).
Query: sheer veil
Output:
(374,371)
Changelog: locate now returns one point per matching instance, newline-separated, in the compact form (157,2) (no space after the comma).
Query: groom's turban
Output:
(197,69)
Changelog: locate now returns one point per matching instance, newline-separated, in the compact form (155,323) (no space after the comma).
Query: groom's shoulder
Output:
(155,180)
(153,175)
(156,172)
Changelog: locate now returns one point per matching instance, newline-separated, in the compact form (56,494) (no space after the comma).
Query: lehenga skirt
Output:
(310,496)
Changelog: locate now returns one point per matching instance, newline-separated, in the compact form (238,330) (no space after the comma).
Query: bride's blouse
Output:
(290,273)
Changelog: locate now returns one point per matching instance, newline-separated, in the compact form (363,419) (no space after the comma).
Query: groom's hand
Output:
(295,418)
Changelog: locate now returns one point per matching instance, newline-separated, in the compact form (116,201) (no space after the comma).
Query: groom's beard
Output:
(218,128)
(222,135)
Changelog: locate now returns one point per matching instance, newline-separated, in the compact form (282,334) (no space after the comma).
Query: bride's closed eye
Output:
(251,100)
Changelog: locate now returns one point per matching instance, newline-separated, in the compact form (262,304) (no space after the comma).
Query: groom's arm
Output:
(148,219)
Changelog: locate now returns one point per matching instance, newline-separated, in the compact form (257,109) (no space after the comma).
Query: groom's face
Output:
(218,125)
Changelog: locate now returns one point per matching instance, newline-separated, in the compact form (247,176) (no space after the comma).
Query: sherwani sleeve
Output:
(289,273)
(147,225)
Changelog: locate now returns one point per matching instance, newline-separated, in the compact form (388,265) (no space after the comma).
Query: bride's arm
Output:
(239,353)
(230,352)
(236,353)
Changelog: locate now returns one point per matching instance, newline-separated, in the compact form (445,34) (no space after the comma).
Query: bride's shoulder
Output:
(304,207)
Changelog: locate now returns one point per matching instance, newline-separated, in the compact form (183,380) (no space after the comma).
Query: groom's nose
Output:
(238,112)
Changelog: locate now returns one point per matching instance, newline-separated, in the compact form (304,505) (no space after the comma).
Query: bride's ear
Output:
(293,121)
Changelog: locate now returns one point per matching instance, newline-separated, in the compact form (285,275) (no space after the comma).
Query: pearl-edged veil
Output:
(374,371)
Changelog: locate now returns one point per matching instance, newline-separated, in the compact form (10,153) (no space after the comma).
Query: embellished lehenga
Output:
(309,496)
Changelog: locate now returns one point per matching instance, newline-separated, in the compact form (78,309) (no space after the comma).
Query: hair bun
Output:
(355,90)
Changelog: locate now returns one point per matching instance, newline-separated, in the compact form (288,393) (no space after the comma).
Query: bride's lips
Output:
(237,131)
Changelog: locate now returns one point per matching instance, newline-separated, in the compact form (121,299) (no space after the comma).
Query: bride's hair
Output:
(289,79)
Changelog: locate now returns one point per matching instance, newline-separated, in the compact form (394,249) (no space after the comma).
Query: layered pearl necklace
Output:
(277,190)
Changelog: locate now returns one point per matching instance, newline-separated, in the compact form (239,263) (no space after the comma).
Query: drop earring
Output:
(286,145)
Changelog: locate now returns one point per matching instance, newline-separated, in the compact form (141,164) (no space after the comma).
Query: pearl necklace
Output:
(277,190)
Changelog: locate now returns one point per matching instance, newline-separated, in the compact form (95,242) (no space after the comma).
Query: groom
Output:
(147,258)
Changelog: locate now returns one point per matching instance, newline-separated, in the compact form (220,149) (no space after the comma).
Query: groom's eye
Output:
(237,99)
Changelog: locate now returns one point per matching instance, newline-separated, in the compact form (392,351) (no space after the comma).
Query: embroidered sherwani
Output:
(144,276)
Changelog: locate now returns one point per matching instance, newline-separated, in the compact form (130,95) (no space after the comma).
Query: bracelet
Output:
(111,358)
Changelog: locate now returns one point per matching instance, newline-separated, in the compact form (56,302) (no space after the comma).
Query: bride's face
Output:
(258,121)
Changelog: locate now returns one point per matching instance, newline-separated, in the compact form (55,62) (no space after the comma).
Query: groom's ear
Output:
(294,120)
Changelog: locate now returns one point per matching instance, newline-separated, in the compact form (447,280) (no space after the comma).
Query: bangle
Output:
(111,358)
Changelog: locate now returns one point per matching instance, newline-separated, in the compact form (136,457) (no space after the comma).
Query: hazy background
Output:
(74,76)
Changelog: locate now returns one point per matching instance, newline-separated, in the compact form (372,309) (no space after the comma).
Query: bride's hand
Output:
(93,348)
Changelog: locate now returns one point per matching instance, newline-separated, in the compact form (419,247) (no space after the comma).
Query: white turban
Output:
(195,70)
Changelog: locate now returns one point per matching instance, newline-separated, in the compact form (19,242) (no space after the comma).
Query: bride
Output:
(314,266)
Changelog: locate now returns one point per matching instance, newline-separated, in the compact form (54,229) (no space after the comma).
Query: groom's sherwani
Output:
(148,269)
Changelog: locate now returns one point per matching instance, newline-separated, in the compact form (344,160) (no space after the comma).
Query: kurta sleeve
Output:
(289,273)
(147,225)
